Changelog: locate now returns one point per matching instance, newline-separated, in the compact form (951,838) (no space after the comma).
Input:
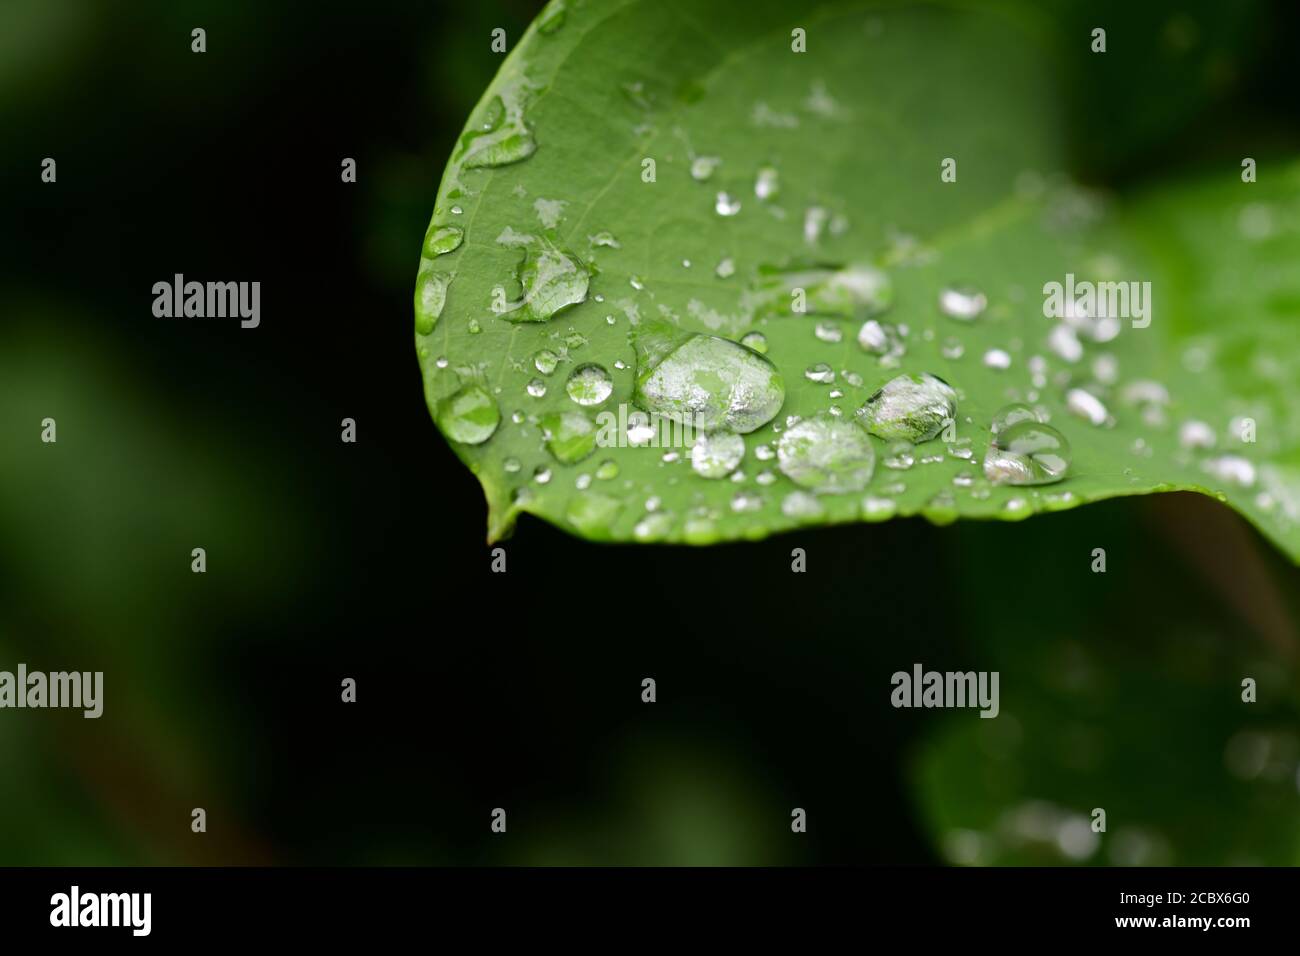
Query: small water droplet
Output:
(1027,453)
(537,388)
(829,332)
(814,221)
(726,268)
(653,527)
(743,501)
(1086,405)
(826,454)
(801,506)
(703,167)
(964,303)
(997,359)
(545,361)
(821,373)
(717,454)
(608,470)
(511,465)
(604,240)
(952,348)
(881,339)
(909,407)
(589,385)
(468,416)
(725,205)
(1196,434)
(766,183)
(1232,469)
(878,509)
(542,475)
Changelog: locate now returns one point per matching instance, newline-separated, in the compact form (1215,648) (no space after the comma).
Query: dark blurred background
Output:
(476,690)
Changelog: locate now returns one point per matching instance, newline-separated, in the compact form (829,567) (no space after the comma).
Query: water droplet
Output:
(1027,453)
(653,527)
(551,17)
(899,456)
(442,240)
(1065,342)
(608,470)
(829,332)
(1231,468)
(503,137)
(703,167)
(952,348)
(589,385)
(826,454)
(726,268)
(909,407)
(604,240)
(542,475)
(964,303)
(592,513)
(1196,434)
(537,388)
(756,341)
(726,205)
(801,506)
(855,291)
(704,381)
(552,280)
(430,298)
(766,183)
(743,501)
(997,358)
(1010,415)
(545,361)
(717,454)
(878,509)
(511,465)
(468,416)
(882,339)
(570,436)
(1086,405)
(814,221)
(821,373)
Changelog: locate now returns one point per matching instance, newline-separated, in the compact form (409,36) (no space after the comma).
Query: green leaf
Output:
(798,196)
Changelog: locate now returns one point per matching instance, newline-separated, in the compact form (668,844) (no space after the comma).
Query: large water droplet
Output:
(589,385)
(430,298)
(469,416)
(1027,453)
(502,137)
(552,280)
(570,436)
(826,454)
(442,240)
(717,454)
(704,381)
(909,407)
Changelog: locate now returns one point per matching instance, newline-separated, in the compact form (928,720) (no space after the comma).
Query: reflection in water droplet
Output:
(468,416)
(826,454)
(717,454)
(909,407)
(589,385)
(1027,453)
(570,436)
(963,303)
(704,381)
(756,341)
